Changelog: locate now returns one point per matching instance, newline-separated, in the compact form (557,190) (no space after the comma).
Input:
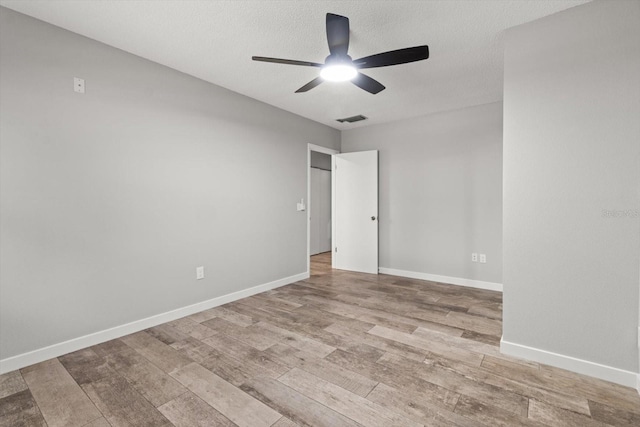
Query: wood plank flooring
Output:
(337,349)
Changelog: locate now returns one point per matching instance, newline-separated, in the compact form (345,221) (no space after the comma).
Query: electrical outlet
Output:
(199,273)
(483,258)
(78,85)
(474,257)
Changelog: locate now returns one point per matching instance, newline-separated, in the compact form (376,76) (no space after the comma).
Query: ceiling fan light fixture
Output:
(340,67)
(338,72)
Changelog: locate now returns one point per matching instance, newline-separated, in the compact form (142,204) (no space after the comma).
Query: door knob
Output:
(373,218)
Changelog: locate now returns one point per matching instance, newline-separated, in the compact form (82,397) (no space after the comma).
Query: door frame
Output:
(324,150)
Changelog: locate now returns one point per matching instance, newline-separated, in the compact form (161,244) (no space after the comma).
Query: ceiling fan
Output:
(339,66)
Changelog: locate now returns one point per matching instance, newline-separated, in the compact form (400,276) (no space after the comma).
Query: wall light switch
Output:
(78,85)
(300,205)
(483,258)
(474,257)
(199,273)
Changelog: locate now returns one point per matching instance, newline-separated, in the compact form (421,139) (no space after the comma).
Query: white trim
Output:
(55,350)
(443,279)
(325,150)
(638,383)
(608,373)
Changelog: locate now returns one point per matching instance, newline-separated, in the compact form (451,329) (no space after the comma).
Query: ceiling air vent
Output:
(353,119)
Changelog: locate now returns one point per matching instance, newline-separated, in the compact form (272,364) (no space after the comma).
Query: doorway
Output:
(320,204)
(319,197)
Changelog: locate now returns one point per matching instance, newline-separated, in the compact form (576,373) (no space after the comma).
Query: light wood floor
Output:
(338,349)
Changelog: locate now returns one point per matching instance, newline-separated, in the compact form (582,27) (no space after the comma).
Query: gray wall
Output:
(320,160)
(109,200)
(440,185)
(572,151)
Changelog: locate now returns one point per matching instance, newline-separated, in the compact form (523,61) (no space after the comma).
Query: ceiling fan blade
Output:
(394,57)
(367,83)
(338,34)
(286,61)
(313,83)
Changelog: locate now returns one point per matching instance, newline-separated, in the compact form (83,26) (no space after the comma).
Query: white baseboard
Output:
(608,373)
(55,350)
(443,279)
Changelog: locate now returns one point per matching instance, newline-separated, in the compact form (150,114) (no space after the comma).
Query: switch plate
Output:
(199,273)
(483,258)
(300,206)
(474,257)
(78,85)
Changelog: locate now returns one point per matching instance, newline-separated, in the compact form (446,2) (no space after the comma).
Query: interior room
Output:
(320,213)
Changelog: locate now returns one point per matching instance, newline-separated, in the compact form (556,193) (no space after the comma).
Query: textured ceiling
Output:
(214,41)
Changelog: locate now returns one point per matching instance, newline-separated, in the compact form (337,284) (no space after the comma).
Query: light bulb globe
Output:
(338,72)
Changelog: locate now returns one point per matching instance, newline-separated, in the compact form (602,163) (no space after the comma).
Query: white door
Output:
(355,214)
(320,207)
(324,231)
